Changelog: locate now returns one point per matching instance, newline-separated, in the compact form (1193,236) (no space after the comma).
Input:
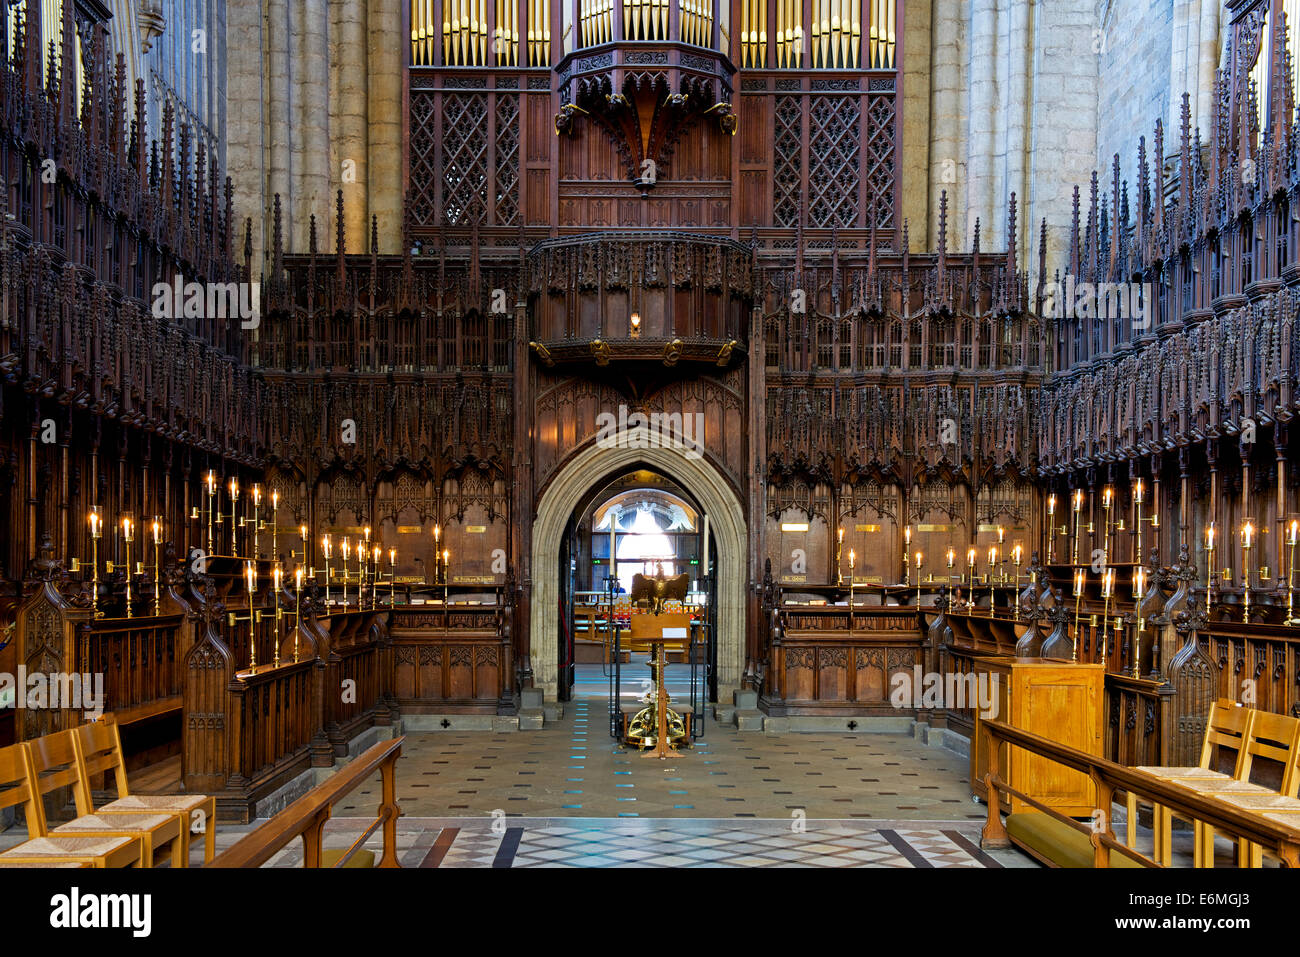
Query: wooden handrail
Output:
(1110,777)
(306,816)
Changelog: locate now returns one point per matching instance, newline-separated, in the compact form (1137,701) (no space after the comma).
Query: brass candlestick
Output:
(1107,589)
(257,504)
(1247,536)
(157,577)
(275,524)
(993,560)
(128,537)
(1209,566)
(96,532)
(1137,504)
(918,581)
(297,609)
(1078,596)
(1078,504)
(325,551)
(1292,539)
(212,491)
(234,524)
(839,554)
(392,578)
(347,550)
(1106,496)
(276,578)
(1015,588)
(1051,528)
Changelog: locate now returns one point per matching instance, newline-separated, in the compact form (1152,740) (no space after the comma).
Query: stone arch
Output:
(563,494)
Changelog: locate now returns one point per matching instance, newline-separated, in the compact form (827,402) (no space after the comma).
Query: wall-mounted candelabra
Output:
(253,617)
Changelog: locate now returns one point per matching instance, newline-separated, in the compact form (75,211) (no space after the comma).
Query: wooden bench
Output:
(306,817)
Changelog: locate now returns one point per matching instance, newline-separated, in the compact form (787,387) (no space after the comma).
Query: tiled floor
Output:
(588,842)
(573,768)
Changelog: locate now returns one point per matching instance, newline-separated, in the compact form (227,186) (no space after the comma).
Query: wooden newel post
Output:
(313,837)
(390,812)
(994,835)
(1101,821)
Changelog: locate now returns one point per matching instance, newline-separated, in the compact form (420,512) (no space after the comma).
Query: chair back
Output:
(16,787)
(1271,751)
(55,765)
(1225,737)
(99,751)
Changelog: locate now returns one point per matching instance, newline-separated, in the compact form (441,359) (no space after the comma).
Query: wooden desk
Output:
(1060,700)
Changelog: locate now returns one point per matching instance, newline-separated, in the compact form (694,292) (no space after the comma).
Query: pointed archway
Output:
(587,468)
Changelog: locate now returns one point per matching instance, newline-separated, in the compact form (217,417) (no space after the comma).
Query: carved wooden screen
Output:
(464,157)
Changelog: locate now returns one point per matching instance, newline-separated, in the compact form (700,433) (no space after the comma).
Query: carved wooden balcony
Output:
(660,299)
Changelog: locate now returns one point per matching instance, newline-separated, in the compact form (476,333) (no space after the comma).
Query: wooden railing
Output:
(272,723)
(1109,777)
(306,816)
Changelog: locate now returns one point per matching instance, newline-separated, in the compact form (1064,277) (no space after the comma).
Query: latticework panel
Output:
(880,162)
(423,177)
(833,162)
(465,158)
(787,170)
(506,207)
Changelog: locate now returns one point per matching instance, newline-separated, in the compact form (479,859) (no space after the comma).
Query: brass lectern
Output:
(658,727)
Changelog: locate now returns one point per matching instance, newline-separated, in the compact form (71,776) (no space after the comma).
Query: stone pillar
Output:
(386,106)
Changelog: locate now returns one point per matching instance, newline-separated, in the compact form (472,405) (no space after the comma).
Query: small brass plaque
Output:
(409,529)
(794,579)
(867,528)
(935,528)
(473,580)
(475,529)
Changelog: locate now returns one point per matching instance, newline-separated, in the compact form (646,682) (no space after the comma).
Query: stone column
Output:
(385,106)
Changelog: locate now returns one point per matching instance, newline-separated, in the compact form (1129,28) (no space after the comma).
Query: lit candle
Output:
(1295,533)
(993,555)
(851,559)
(952,557)
(1209,537)
(276,577)
(918,567)
(95,531)
(157,531)
(297,578)
(275,498)
(1015,555)
(212,482)
(907,535)
(1106,495)
(1078,499)
(1051,505)
(1139,582)
(1001,534)
(1137,492)
(841,536)
(392,557)
(1108,583)
(251,572)
(302,530)
(257,494)
(970,557)
(1247,534)
(437,533)
(1078,582)
(234,488)
(126,532)
(324,545)
(366,530)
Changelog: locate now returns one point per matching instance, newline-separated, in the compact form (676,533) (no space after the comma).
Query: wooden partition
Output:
(453,661)
(835,659)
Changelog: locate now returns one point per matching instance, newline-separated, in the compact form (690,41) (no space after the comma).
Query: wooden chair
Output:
(99,749)
(1268,780)
(18,787)
(1222,758)
(56,764)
